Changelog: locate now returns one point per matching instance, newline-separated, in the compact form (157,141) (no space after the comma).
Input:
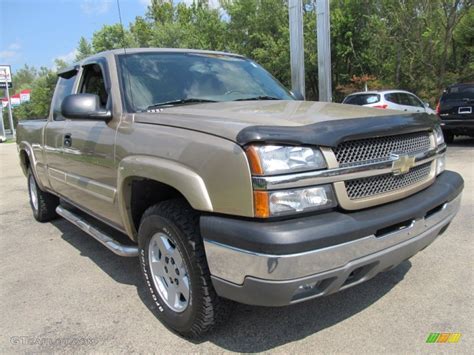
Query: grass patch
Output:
(9,140)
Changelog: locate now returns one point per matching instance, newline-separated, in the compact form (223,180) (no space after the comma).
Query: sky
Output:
(35,32)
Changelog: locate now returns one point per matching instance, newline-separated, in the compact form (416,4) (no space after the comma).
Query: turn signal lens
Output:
(254,160)
(262,207)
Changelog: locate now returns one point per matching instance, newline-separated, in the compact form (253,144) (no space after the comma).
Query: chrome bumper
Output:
(232,265)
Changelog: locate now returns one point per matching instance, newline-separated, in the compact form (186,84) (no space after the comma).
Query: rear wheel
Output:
(175,269)
(42,203)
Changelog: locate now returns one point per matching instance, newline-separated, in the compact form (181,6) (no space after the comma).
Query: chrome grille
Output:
(373,149)
(374,185)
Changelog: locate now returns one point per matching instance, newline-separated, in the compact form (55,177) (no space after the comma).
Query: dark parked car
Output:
(456,110)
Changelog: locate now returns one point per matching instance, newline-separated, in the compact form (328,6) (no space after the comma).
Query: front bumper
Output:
(285,262)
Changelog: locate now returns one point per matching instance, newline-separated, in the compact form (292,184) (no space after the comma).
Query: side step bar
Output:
(108,242)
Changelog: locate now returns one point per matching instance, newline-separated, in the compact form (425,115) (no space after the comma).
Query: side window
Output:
(64,88)
(93,83)
(405,99)
(392,98)
(415,102)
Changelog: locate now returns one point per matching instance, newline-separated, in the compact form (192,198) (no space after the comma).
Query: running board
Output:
(108,242)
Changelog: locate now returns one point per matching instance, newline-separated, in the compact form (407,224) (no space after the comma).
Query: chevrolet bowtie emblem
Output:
(402,164)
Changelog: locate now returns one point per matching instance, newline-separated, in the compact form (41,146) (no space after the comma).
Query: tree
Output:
(417,45)
(60,64)
(84,49)
(42,88)
(111,37)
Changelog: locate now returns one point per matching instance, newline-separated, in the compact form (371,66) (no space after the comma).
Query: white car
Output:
(389,99)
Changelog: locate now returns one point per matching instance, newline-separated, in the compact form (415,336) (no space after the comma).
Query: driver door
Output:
(89,152)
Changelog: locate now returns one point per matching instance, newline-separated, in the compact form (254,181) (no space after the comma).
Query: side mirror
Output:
(427,104)
(84,106)
(297,95)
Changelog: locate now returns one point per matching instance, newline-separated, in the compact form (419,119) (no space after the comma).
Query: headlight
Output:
(275,159)
(439,135)
(441,159)
(277,203)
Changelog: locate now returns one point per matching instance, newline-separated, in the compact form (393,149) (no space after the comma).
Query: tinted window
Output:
(93,83)
(393,97)
(459,93)
(362,99)
(64,88)
(414,101)
(156,78)
(403,99)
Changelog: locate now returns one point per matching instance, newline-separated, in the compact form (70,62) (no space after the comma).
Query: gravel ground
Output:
(62,291)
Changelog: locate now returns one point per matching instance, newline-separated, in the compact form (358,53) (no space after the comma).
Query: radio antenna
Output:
(124,45)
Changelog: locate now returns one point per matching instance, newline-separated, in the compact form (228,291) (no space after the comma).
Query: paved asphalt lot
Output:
(62,289)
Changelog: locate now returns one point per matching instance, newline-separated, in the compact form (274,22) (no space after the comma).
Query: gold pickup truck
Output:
(227,186)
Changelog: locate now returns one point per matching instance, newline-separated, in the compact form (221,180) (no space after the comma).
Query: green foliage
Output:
(42,83)
(84,49)
(111,37)
(417,45)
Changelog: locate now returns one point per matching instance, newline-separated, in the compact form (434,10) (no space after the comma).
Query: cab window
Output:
(64,88)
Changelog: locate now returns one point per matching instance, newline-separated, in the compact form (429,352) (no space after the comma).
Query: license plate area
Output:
(464,110)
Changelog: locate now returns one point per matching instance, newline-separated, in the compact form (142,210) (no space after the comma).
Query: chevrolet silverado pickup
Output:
(227,187)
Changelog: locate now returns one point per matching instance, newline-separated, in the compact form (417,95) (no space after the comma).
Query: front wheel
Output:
(175,269)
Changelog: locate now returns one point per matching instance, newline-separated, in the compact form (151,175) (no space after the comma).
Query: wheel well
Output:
(145,193)
(24,160)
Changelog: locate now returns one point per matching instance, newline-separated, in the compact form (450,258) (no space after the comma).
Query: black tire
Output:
(177,221)
(448,137)
(44,210)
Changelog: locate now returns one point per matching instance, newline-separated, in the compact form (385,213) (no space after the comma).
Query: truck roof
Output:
(73,68)
(119,51)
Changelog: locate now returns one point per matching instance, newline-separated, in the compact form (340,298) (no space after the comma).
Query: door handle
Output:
(67,140)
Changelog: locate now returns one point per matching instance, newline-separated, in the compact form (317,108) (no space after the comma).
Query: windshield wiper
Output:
(255,98)
(178,102)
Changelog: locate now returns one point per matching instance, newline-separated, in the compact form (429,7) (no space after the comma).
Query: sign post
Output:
(3,136)
(295,9)
(324,50)
(6,83)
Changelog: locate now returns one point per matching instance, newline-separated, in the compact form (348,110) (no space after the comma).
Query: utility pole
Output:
(10,115)
(295,12)
(324,50)
(3,136)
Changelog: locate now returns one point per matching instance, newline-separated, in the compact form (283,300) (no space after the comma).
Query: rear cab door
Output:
(54,131)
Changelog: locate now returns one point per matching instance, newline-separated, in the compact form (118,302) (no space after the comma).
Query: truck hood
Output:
(291,122)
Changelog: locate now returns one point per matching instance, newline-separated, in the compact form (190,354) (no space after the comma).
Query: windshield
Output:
(167,79)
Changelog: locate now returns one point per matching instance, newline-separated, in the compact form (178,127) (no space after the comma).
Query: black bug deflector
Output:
(332,132)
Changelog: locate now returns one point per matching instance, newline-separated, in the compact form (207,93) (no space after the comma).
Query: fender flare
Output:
(165,171)
(26,147)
